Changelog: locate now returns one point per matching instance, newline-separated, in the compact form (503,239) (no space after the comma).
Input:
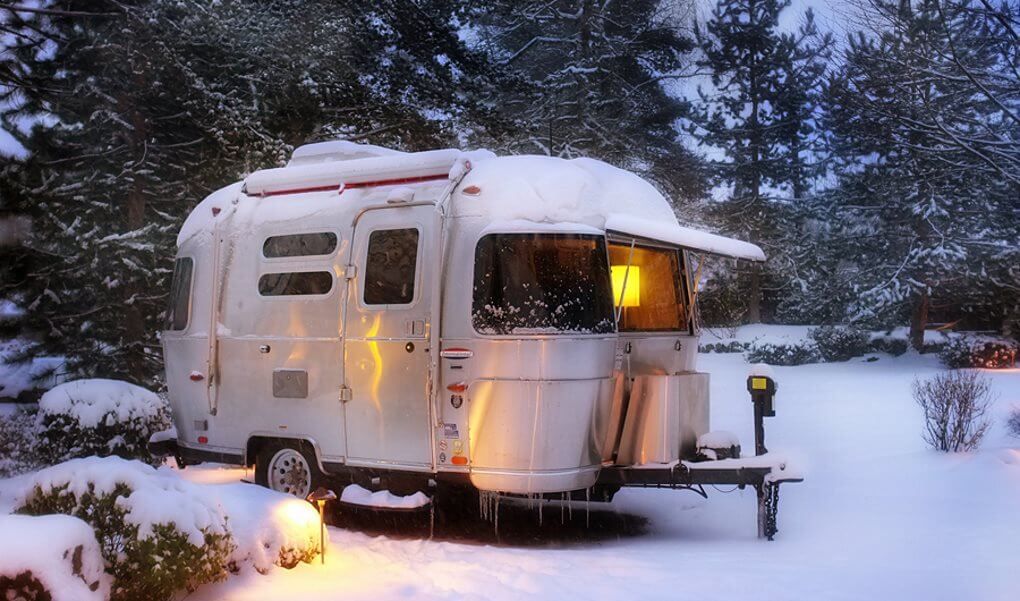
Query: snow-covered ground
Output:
(879,516)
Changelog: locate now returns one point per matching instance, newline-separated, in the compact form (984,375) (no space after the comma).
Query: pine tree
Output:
(592,80)
(760,115)
(144,107)
(929,221)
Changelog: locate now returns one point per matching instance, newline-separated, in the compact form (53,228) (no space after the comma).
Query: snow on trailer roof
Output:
(539,189)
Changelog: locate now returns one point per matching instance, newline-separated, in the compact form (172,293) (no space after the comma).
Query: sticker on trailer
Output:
(450,431)
(443,445)
(458,447)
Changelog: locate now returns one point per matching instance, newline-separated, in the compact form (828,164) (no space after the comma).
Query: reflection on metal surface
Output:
(664,417)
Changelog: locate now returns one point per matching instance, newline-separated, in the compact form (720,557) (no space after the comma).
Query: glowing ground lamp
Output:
(626,283)
(319,497)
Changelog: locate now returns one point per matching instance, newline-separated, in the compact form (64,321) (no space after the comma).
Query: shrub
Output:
(839,344)
(733,346)
(891,346)
(50,557)
(18,446)
(782,354)
(954,405)
(156,534)
(99,417)
(1013,423)
(968,352)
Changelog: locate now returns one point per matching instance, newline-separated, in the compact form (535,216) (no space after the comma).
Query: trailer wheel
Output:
(288,468)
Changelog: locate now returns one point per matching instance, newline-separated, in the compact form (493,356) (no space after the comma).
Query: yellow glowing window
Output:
(632,294)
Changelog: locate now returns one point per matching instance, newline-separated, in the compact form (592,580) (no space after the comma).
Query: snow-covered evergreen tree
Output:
(593,79)
(928,220)
(759,115)
(145,107)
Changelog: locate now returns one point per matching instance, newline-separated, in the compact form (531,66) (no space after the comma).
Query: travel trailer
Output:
(523,325)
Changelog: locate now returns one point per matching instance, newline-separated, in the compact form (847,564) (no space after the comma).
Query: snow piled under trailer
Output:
(414,322)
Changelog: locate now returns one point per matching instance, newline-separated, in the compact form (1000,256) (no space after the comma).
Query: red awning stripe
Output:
(370,184)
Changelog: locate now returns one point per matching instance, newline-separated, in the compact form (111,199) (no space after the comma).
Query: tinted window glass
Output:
(295,283)
(299,245)
(542,283)
(650,292)
(390,267)
(180,295)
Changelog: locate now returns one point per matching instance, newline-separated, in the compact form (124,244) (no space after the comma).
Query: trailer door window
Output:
(296,283)
(299,245)
(179,309)
(649,293)
(542,283)
(391,267)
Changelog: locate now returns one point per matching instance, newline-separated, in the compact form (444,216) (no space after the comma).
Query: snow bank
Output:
(90,402)
(357,495)
(60,551)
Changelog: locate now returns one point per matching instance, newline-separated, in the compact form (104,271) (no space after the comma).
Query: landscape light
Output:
(319,497)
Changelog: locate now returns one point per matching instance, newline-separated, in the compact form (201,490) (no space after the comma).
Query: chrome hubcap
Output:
(289,473)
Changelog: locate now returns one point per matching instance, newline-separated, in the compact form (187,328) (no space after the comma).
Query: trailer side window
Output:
(295,283)
(178,311)
(648,288)
(299,245)
(542,284)
(391,266)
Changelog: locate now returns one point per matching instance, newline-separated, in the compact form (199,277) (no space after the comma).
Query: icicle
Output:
(540,503)
(563,511)
(587,508)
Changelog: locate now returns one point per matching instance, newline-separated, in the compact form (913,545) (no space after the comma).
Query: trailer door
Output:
(386,359)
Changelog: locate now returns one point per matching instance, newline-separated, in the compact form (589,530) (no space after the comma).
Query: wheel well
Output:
(257,443)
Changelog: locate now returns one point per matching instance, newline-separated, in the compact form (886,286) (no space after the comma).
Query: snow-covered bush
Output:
(269,528)
(782,354)
(968,352)
(1013,423)
(839,343)
(157,533)
(733,346)
(891,346)
(954,405)
(18,445)
(99,417)
(52,557)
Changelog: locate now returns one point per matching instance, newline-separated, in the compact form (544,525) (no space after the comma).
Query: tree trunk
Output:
(919,321)
(754,296)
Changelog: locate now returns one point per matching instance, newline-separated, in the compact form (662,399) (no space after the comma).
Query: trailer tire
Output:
(288,467)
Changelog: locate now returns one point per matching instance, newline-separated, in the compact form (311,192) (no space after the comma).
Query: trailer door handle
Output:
(456,353)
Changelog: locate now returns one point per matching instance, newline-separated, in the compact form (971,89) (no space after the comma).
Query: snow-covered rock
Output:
(59,551)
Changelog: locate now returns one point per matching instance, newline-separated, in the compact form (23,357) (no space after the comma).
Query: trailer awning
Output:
(684,237)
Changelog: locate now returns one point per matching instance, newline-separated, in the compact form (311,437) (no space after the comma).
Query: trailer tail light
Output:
(458,460)
(196,377)
(456,353)
(472,190)
(203,439)
(457,387)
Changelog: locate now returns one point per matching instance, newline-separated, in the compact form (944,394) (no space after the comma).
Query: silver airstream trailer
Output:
(523,325)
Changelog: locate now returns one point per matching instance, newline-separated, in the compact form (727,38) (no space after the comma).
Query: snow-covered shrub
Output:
(52,557)
(18,445)
(968,352)
(954,405)
(99,417)
(1013,423)
(838,343)
(158,533)
(269,528)
(891,346)
(733,346)
(782,354)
